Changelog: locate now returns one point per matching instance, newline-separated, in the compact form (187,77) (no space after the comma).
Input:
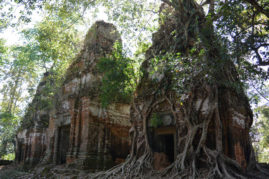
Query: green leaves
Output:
(136,20)
(3,51)
(119,77)
(156,120)
(55,41)
(246,29)
(8,126)
(262,133)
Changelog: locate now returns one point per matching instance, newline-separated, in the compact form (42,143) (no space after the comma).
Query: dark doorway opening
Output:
(164,144)
(63,141)
(162,139)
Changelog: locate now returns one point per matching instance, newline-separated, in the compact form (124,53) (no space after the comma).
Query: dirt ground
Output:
(11,172)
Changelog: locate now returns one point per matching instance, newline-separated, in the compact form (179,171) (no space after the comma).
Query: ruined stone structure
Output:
(200,131)
(186,123)
(216,112)
(30,146)
(80,131)
(31,138)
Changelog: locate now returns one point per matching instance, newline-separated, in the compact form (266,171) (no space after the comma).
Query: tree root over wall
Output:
(195,159)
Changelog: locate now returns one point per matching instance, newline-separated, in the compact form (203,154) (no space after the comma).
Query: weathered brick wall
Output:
(94,137)
(30,146)
(31,138)
(80,131)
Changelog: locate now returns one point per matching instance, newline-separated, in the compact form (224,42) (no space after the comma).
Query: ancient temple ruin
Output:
(80,130)
(202,132)
(31,138)
(162,138)
(186,125)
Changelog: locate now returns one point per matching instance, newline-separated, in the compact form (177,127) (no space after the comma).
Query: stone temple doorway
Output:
(63,143)
(162,139)
(164,143)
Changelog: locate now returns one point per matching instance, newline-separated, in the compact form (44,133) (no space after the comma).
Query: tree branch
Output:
(168,2)
(260,60)
(260,9)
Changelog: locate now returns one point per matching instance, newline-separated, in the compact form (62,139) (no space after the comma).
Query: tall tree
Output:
(18,72)
(50,46)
